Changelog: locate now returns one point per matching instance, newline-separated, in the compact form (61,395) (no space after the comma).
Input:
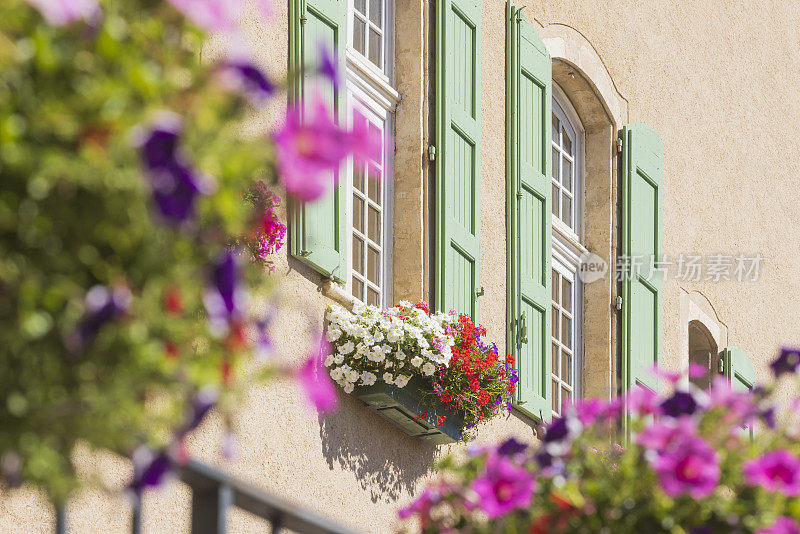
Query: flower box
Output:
(403,407)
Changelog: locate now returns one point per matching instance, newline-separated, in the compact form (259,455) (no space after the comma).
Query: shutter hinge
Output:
(519,195)
(721,366)
(479,292)
(619,145)
(431,153)
(303,19)
(305,253)
(618,303)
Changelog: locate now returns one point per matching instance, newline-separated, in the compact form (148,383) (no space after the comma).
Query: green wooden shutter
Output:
(458,163)
(642,178)
(738,369)
(740,372)
(317,230)
(528,104)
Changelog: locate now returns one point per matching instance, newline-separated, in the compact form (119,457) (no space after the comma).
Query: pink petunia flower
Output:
(218,15)
(661,434)
(311,149)
(642,401)
(777,471)
(690,466)
(313,378)
(63,12)
(782,525)
(504,487)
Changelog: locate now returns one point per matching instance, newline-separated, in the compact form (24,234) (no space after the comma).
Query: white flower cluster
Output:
(371,344)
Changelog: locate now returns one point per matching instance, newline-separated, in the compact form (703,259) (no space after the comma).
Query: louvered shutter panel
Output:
(317,233)
(642,176)
(529,104)
(458,225)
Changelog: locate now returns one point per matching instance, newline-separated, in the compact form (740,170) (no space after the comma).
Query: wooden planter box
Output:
(402,408)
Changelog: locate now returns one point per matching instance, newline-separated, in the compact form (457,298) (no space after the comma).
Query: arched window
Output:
(567,190)
(703,351)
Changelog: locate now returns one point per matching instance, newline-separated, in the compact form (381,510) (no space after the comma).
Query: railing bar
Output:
(224,501)
(61,519)
(136,527)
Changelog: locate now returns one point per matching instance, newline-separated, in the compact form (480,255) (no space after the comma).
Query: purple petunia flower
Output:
(218,15)
(786,363)
(782,525)
(63,12)
(680,403)
(102,305)
(511,447)
(687,465)
(328,65)
(224,298)
(264,345)
(203,402)
(176,185)
(150,468)
(311,149)
(776,471)
(504,487)
(243,76)
(422,505)
(314,380)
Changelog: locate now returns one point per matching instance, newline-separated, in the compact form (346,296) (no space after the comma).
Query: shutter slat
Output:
(529,104)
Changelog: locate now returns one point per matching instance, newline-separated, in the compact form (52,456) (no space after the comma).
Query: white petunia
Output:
(333,334)
(329,360)
(339,358)
(388,364)
(368,378)
(416,361)
(404,304)
(387,377)
(352,376)
(348,388)
(428,369)
(347,348)
(400,355)
(401,381)
(336,373)
(377,337)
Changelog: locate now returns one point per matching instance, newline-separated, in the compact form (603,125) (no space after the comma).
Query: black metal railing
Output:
(214,493)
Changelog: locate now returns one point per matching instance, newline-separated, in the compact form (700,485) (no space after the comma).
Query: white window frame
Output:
(567,247)
(368,89)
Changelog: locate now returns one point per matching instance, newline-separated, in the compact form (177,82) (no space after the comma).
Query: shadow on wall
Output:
(386,461)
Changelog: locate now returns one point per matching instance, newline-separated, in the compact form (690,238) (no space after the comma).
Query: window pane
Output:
(378,156)
(374,225)
(566,173)
(373,266)
(566,331)
(556,195)
(555,285)
(375,47)
(360,5)
(358,289)
(554,359)
(555,323)
(359,34)
(554,164)
(556,126)
(358,177)
(566,294)
(566,398)
(566,210)
(566,368)
(566,142)
(376,12)
(358,255)
(555,390)
(374,185)
(358,213)
(373,298)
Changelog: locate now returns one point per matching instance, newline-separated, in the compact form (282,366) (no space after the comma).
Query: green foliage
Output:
(75,211)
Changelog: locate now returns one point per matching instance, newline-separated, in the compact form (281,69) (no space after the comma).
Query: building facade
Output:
(535,159)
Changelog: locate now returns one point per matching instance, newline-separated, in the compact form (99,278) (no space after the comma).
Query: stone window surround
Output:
(695,307)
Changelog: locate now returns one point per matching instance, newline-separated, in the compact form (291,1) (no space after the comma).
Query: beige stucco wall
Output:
(718,80)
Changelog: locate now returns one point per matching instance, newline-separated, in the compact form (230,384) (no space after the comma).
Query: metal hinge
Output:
(303,19)
(431,153)
(305,253)
(618,303)
(479,292)
(619,145)
(721,366)
(519,195)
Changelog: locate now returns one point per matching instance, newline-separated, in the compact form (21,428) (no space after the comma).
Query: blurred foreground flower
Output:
(316,384)
(63,12)
(225,299)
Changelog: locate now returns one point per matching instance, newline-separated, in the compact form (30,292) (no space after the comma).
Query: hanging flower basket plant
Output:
(431,375)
